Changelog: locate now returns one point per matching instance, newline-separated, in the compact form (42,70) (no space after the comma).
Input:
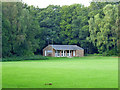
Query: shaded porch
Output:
(65,53)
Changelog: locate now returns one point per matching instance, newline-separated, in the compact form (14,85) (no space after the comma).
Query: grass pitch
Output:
(79,72)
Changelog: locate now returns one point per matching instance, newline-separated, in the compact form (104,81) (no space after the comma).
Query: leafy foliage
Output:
(28,29)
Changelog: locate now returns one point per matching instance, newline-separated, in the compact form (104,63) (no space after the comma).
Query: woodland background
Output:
(26,30)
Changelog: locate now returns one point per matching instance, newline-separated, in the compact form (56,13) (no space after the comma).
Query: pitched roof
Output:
(66,47)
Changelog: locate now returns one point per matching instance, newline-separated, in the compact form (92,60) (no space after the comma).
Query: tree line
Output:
(26,30)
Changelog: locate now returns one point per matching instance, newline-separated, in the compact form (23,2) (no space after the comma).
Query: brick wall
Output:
(49,48)
(79,53)
(53,55)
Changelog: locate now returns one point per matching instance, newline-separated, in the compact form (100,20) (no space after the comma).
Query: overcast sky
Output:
(45,3)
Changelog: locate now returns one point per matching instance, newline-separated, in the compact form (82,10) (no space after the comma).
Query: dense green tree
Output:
(27,29)
(103,31)
(49,19)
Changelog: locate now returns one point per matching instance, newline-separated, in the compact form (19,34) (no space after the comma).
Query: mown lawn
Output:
(80,72)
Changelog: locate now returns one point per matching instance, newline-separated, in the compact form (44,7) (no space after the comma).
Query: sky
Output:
(45,3)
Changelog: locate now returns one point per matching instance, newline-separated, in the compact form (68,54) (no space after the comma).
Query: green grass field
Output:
(79,72)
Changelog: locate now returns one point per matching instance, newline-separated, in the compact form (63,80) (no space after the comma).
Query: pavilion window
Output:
(70,53)
(62,53)
(58,53)
(67,52)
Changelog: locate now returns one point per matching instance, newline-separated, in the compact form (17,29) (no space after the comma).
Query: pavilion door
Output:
(73,53)
(56,53)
